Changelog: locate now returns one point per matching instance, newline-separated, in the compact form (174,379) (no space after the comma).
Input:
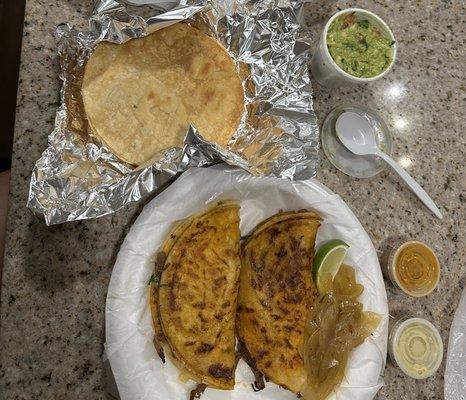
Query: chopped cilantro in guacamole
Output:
(358,47)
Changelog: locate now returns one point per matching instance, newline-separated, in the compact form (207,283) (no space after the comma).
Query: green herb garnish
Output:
(363,23)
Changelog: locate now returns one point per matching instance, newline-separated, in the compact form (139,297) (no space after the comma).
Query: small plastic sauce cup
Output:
(413,268)
(415,346)
(327,72)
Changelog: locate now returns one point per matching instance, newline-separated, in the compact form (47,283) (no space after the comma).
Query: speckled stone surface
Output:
(55,278)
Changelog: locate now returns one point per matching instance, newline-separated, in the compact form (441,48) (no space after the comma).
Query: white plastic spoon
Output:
(358,137)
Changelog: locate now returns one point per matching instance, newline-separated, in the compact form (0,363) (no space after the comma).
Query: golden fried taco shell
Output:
(197,295)
(276,291)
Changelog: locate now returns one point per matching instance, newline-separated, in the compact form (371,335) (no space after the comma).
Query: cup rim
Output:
(338,68)
(393,262)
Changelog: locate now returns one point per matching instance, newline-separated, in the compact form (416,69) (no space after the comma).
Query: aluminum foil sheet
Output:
(78,178)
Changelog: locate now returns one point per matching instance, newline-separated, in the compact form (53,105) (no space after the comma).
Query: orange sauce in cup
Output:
(416,268)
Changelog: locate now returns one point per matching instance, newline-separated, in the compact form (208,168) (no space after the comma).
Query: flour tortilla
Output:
(141,96)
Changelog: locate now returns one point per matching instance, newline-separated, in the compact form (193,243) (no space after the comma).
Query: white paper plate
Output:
(138,371)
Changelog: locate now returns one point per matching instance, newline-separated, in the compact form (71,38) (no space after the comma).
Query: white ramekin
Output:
(326,72)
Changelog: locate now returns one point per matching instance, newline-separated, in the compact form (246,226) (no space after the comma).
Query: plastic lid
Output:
(345,160)
(415,268)
(416,347)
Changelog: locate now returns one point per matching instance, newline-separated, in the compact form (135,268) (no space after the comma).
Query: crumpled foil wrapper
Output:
(79,178)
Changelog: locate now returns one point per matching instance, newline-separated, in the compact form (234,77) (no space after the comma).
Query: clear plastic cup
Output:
(415,277)
(345,160)
(415,346)
(326,71)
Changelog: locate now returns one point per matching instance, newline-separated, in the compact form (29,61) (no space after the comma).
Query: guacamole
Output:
(358,47)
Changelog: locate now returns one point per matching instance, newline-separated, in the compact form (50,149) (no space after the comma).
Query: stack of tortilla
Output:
(141,96)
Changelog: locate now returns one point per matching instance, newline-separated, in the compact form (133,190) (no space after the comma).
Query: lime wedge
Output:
(328,260)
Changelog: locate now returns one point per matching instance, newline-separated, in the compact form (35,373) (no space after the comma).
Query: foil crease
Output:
(78,178)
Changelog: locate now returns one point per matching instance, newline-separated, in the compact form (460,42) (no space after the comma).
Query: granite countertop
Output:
(55,278)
